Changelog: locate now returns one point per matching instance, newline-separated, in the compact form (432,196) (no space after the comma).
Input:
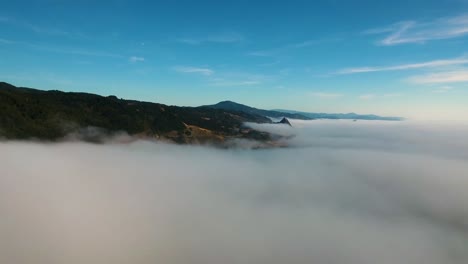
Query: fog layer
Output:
(344,192)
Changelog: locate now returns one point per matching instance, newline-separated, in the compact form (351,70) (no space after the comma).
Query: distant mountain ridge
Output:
(280,113)
(342,116)
(233,106)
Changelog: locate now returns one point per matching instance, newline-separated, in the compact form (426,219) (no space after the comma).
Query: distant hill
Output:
(233,106)
(27,113)
(342,116)
(51,115)
(280,113)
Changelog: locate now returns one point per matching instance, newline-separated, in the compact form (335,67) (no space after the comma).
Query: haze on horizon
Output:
(390,58)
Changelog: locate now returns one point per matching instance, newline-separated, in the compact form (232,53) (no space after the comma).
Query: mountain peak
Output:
(227,102)
(285,121)
(6,85)
(231,104)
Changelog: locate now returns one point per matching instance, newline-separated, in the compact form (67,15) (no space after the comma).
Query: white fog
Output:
(343,192)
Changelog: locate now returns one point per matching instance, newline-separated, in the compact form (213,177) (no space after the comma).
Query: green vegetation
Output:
(50,115)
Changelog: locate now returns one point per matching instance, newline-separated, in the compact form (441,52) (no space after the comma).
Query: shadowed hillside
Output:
(29,113)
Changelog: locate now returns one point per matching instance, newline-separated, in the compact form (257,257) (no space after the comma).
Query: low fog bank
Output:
(428,138)
(348,192)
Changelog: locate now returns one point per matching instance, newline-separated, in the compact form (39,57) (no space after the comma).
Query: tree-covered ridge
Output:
(29,113)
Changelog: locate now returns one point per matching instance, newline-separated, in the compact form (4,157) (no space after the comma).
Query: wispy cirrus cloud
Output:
(6,41)
(135,59)
(222,79)
(441,77)
(261,53)
(61,49)
(239,78)
(411,66)
(443,89)
(326,95)
(392,95)
(230,37)
(75,51)
(313,42)
(371,96)
(41,30)
(268,64)
(288,47)
(224,82)
(407,32)
(79,51)
(197,70)
(367,96)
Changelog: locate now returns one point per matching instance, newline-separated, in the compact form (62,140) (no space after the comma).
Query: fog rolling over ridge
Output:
(345,192)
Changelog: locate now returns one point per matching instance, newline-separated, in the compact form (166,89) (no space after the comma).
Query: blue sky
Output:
(382,57)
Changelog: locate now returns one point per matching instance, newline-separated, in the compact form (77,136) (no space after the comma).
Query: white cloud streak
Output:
(392,95)
(420,32)
(6,41)
(443,89)
(261,53)
(223,38)
(367,96)
(63,50)
(78,51)
(441,77)
(289,47)
(313,42)
(411,66)
(234,83)
(197,70)
(238,79)
(135,59)
(41,30)
(326,95)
